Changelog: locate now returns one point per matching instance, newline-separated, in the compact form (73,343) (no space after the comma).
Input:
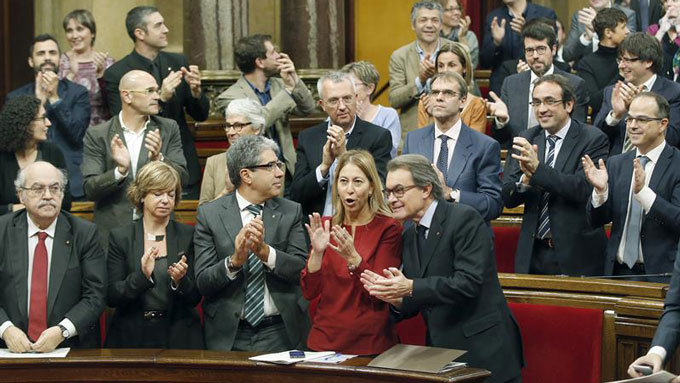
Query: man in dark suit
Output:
(654,10)
(180,90)
(467,161)
(248,269)
(544,173)
(41,241)
(319,146)
(645,227)
(449,273)
(640,59)
(67,105)
(502,32)
(115,151)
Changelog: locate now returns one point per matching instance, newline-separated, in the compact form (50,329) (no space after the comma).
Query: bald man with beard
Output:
(115,150)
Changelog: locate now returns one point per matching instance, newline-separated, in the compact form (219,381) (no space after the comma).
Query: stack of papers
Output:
(419,358)
(284,357)
(659,377)
(58,353)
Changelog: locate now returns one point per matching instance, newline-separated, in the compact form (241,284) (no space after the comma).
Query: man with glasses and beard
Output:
(67,106)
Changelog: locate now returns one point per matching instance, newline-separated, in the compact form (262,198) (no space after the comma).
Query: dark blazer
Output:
(598,70)
(578,248)
(70,118)
(475,167)
(47,151)
(77,288)
(112,208)
(515,94)
(509,67)
(660,228)
(217,224)
(512,46)
(128,286)
(305,189)
(181,102)
(655,12)
(456,289)
(667,89)
(667,334)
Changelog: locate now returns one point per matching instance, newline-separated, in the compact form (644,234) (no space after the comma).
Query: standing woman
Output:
(456,27)
(23,140)
(149,264)
(82,64)
(363,237)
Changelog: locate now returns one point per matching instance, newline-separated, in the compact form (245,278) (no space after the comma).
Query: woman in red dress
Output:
(361,235)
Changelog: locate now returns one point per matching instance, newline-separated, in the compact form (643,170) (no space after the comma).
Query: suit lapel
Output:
(138,243)
(461,153)
(433,237)
(172,243)
(411,256)
(61,257)
(355,138)
(18,255)
(626,176)
(270,217)
(568,145)
(523,94)
(232,216)
(539,140)
(144,152)
(427,143)
(660,168)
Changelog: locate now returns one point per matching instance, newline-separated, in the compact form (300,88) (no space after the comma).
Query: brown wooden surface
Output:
(108,365)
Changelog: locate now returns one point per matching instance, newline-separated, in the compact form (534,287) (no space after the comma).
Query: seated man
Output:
(116,149)
(67,106)
(544,173)
(467,161)
(449,274)
(319,145)
(43,244)
(645,227)
(250,249)
(640,59)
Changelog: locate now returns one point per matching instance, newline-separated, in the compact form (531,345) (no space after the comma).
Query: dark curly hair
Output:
(15,120)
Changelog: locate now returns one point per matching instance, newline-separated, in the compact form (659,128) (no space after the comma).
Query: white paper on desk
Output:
(58,353)
(335,358)
(284,357)
(659,377)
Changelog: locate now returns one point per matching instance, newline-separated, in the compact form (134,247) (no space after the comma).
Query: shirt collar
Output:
(145,60)
(243,203)
(452,133)
(267,86)
(429,214)
(550,70)
(421,52)
(562,133)
(653,154)
(33,229)
(125,128)
(650,83)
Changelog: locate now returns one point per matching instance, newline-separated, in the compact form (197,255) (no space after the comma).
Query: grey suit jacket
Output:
(111,207)
(77,283)
(574,50)
(515,94)
(276,112)
(217,225)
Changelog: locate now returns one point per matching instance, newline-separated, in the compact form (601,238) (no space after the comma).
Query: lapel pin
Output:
(68,242)
(437,233)
(169,69)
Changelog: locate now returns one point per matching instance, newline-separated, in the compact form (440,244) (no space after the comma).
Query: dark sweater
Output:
(599,70)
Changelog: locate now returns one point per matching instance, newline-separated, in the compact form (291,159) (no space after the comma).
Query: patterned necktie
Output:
(544,217)
(627,145)
(37,316)
(631,249)
(443,159)
(254,305)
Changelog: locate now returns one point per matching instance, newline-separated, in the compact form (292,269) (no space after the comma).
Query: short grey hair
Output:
(431,5)
(20,181)
(422,172)
(246,153)
(252,110)
(334,77)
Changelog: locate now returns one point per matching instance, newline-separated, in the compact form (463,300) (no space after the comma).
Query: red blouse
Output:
(347,318)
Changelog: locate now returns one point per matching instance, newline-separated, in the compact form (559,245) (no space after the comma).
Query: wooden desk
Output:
(108,365)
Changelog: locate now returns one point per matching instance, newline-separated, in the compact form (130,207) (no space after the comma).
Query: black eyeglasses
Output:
(548,102)
(641,119)
(398,191)
(269,166)
(238,127)
(627,60)
(540,50)
(446,93)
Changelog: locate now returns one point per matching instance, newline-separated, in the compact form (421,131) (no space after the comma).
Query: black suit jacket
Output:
(456,289)
(77,283)
(128,286)
(655,12)
(578,247)
(509,67)
(660,228)
(181,102)
(305,189)
(668,332)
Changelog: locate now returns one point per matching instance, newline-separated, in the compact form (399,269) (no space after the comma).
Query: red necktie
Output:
(37,317)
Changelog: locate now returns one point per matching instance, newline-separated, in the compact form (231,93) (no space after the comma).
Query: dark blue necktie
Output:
(443,159)
(544,218)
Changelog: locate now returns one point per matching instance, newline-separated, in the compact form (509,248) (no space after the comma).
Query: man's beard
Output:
(54,67)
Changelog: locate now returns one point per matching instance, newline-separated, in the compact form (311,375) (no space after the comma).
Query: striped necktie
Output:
(254,305)
(544,218)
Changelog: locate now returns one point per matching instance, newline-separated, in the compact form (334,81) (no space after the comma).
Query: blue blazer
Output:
(70,118)
(668,89)
(475,167)
(660,228)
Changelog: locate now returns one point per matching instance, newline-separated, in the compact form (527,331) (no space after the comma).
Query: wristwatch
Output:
(231,266)
(64,331)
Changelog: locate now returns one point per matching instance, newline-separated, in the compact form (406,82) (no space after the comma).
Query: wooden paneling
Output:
(16,35)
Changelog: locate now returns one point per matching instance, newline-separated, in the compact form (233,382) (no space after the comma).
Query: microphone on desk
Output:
(627,276)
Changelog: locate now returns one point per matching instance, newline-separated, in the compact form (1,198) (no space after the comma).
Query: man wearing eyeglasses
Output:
(513,111)
(545,174)
(250,249)
(52,269)
(640,59)
(115,150)
(639,192)
(468,162)
(320,145)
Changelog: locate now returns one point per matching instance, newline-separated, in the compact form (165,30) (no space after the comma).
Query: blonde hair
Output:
(376,201)
(155,176)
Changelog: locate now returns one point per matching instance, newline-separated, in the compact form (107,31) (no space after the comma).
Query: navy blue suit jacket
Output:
(660,229)
(70,118)
(667,89)
(475,167)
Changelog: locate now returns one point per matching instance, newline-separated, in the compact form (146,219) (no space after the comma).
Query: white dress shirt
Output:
(134,142)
